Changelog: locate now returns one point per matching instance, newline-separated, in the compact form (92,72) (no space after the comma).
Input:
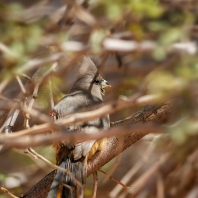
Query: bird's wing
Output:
(72,103)
(83,148)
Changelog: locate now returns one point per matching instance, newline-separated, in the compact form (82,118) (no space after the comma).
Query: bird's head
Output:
(90,79)
(102,84)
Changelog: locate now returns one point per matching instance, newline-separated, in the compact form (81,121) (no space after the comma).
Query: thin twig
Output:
(160,186)
(35,93)
(113,148)
(21,85)
(54,166)
(113,168)
(33,112)
(138,185)
(34,63)
(26,124)
(16,140)
(28,151)
(8,192)
(4,83)
(38,115)
(6,50)
(51,95)
(128,176)
(115,180)
(14,112)
(29,79)
(95,184)
(109,108)
(69,187)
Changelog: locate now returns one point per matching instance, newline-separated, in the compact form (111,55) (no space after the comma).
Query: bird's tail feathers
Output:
(78,170)
(58,179)
(71,189)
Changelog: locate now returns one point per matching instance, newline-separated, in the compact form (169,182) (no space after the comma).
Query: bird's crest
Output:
(87,67)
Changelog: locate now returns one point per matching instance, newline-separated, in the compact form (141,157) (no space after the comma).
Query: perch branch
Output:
(114,147)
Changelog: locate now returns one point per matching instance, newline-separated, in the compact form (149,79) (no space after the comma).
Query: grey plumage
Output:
(86,93)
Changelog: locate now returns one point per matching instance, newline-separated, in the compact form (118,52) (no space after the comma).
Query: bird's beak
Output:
(105,84)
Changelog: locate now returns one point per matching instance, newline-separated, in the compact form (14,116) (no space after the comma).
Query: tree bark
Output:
(115,145)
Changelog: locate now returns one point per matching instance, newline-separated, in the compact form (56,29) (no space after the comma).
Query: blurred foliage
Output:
(24,31)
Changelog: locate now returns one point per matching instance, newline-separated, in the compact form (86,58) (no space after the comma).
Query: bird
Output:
(88,91)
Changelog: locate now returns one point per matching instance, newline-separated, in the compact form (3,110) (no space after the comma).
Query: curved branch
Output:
(108,108)
(114,147)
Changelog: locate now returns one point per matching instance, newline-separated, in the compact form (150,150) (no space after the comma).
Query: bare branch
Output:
(113,148)
(85,116)
(21,85)
(8,192)
(95,184)
(113,179)
(133,171)
(36,140)
(35,92)
(54,166)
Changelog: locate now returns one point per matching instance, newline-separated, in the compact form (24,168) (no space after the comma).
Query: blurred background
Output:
(147,46)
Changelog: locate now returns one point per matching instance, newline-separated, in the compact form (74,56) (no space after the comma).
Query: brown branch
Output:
(113,179)
(35,63)
(120,45)
(14,112)
(142,181)
(35,92)
(8,192)
(69,187)
(95,184)
(114,147)
(86,116)
(33,112)
(37,140)
(127,177)
(21,85)
(160,186)
(26,77)
(51,95)
(35,154)
(112,169)
(137,117)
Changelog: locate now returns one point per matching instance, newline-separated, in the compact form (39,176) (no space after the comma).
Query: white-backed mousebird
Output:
(86,93)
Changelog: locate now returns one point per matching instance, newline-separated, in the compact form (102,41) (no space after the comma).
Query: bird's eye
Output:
(97,82)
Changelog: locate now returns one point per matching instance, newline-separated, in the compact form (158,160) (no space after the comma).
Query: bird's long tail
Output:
(71,189)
